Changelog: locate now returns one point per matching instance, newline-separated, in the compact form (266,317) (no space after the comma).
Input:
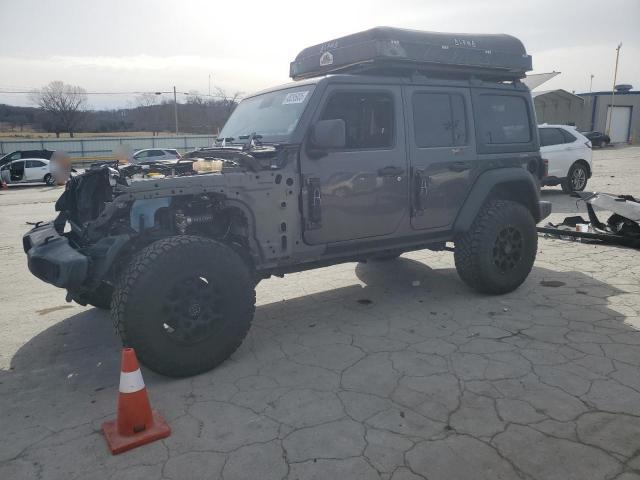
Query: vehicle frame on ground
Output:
(568,156)
(356,161)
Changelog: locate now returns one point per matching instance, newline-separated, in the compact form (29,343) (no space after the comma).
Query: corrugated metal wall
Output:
(86,148)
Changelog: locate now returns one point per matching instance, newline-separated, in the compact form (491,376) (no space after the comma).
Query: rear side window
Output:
(568,138)
(550,136)
(502,119)
(368,117)
(34,164)
(439,120)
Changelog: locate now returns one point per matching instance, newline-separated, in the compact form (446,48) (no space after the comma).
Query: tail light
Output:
(588,144)
(545,167)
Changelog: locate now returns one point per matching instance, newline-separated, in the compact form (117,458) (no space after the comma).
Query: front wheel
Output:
(185,304)
(576,180)
(497,253)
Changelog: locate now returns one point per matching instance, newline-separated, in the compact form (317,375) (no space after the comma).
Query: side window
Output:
(368,117)
(439,120)
(550,136)
(568,138)
(156,153)
(143,154)
(32,164)
(503,119)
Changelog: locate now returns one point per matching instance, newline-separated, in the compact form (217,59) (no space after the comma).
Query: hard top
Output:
(394,50)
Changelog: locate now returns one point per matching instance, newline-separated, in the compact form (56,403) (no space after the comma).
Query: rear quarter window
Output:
(504,121)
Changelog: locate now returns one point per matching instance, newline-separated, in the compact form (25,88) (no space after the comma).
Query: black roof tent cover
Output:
(386,49)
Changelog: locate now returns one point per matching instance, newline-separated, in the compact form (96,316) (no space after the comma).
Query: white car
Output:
(568,156)
(27,170)
(150,155)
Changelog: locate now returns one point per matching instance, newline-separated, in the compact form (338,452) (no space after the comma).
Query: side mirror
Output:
(329,134)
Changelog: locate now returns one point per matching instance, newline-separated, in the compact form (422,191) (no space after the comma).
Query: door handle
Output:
(390,171)
(459,166)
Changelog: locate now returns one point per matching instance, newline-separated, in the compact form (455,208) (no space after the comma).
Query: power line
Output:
(195,94)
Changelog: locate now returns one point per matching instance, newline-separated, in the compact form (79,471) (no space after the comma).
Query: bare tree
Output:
(65,105)
(229,101)
(147,100)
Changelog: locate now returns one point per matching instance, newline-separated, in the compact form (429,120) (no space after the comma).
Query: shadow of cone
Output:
(136,423)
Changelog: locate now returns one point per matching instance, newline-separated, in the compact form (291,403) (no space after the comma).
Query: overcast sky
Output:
(151,45)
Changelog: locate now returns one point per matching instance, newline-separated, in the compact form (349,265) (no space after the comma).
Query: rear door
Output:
(35,170)
(442,153)
(359,191)
(555,151)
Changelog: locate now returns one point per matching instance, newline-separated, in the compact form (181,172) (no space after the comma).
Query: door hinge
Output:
(420,191)
(314,203)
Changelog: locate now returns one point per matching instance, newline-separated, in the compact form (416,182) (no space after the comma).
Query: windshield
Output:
(273,115)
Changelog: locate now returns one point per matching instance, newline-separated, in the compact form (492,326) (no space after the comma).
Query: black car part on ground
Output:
(621,228)
(381,49)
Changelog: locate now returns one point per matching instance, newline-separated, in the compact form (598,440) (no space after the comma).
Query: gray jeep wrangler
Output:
(387,141)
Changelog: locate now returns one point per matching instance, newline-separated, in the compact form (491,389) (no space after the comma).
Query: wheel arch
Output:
(515,184)
(582,161)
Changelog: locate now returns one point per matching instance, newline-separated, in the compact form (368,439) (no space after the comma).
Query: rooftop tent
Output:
(498,57)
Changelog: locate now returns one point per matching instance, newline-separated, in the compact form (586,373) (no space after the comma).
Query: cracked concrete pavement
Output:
(350,372)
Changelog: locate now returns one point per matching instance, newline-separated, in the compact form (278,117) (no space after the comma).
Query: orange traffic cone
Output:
(136,424)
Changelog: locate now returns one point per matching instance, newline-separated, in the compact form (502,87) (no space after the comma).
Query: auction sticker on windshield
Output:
(295,97)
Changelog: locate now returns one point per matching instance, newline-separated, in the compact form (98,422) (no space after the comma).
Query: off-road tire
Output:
(475,250)
(139,303)
(100,297)
(567,183)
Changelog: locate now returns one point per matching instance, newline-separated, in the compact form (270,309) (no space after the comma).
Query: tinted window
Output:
(368,118)
(568,138)
(34,164)
(439,120)
(503,119)
(550,136)
(155,153)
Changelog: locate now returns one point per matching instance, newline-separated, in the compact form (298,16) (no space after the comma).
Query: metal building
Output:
(558,107)
(625,119)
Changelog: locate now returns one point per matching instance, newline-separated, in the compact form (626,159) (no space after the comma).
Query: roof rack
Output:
(399,51)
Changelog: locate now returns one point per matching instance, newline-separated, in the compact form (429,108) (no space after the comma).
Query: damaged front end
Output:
(109,213)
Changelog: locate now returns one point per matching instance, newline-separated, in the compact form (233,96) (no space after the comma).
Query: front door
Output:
(442,153)
(17,171)
(360,190)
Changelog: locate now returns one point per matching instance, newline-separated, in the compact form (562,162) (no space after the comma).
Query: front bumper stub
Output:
(52,259)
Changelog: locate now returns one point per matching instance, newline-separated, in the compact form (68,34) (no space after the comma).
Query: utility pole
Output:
(591,83)
(175,107)
(613,90)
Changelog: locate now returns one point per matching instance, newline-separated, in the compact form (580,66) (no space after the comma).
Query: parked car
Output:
(568,156)
(598,139)
(152,155)
(27,170)
(351,166)
(19,154)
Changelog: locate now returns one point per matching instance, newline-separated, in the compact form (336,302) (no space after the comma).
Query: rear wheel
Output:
(49,180)
(185,304)
(576,180)
(496,255)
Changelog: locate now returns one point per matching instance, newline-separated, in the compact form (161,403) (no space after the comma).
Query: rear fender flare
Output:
(512,183)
